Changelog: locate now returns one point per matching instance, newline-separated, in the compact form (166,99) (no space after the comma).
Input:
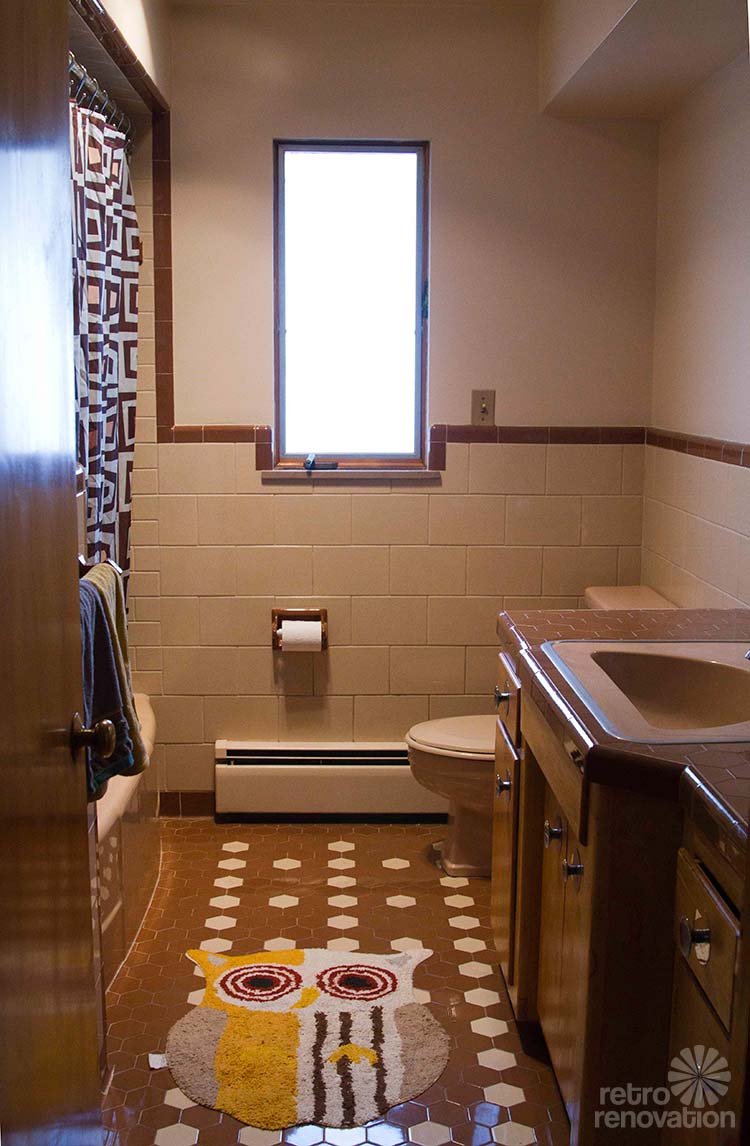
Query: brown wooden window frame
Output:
(413,461)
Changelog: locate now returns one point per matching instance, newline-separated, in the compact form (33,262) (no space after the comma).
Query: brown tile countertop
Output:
(713,779)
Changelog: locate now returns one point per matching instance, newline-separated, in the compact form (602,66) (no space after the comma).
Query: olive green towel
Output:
(108,583)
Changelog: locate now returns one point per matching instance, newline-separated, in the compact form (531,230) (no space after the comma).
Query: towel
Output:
(102,699)
(108,584)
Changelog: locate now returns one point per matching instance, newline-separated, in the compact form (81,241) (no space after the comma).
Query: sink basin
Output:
(661,691)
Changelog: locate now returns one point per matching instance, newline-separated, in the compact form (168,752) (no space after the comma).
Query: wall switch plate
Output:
(483,407)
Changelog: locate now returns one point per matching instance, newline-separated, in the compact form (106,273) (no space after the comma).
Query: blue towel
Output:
(102,699)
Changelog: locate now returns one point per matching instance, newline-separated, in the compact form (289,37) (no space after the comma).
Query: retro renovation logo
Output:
(698,1076)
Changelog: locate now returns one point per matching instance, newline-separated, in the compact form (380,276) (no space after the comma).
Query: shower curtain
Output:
(106,258)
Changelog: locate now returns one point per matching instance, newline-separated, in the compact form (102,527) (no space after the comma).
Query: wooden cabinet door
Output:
(577,878)
(549,1004)
(504,850)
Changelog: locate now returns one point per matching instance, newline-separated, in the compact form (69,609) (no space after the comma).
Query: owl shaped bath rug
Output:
(334,1038)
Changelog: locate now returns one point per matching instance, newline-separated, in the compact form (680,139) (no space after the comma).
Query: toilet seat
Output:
(468,737)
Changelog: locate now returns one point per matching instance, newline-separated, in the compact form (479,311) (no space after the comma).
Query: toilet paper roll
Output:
(301,636)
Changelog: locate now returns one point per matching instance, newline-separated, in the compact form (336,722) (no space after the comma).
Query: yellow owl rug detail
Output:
(281,1038)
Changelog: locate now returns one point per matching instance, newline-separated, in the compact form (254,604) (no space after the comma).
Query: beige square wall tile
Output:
(507,468)
(471,520)
(144,481)
(547,520)
(500,570)
(195,572)
(611,520)
(144,585)
(179,719)
(712,554)
(147,609)
(145,558)
(190,767)
(713,491)
(248,478)
(235,620)
(455,476)
(316,718)
(629,566)
(145,507)
(146,455)
(389,620)
(339,614)
(743,589)
(350,569)
(387,717)
(271,570)
(665,530)
(196,467)
(443,706)
(305,520)
(236,519)
(569,570)
(149,660)
(398,519)
(345,671)
(178,520)
(427,669)
(584,469)
(633,467)
(482,668)
(686,480)
(462,620)
(241,717)
(200,671)
(553,602)
(417,569)
(149,682)
(262,671)
(144,633)
(144,533)
(180,623)
(738,499)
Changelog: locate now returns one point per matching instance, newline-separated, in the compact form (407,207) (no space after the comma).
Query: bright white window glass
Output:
(349,307)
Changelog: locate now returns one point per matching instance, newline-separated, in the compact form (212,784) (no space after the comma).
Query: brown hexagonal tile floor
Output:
(371,887)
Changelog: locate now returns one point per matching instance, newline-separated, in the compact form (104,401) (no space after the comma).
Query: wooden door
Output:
(551,928)
(504,849)
(574,974)
(49,1082)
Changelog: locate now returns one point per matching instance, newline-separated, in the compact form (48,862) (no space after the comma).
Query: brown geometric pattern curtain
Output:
(106,256)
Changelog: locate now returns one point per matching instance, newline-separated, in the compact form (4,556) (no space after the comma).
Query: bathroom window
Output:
(351,303)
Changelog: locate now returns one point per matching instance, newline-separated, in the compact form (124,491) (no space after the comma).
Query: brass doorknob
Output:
(102,737)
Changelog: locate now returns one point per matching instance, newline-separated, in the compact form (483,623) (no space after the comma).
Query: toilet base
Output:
(467,847)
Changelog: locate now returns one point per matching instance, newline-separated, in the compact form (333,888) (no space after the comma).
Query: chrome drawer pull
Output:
(552,832)
(502,785)
(698,937)
(572,869)
(501,697)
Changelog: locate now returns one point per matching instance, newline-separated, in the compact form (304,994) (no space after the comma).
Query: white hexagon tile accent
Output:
(400,901)
(232,864)
(283,901)
(354,1137)
(407,943)
(287,863)
(475,970)
(464,922)
(228,881)
(422,996)
(469,944)
(341,846)
(216,945)
(496,1059)
(342,901)
(343,944)
(280,943)
(178,1135)
(254,1136)
(514,1134)
(223,901)
(429,1134)
(220,922)
(489,1027)
(481,997)
(195,998)
(503,1094)
(343,922)
(396,864)
(454,881)
(341,881)
(235,846)
(175,1097)
(459,901)
(341,863)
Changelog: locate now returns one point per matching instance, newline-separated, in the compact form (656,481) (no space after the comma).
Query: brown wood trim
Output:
(715,449)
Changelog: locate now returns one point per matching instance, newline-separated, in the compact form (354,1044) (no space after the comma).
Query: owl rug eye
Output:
(307,1036)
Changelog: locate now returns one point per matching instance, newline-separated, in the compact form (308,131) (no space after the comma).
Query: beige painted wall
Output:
(702,317)
(542,231)
(569,32)
(145,25)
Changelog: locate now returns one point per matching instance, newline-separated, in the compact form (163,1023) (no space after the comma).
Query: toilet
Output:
(455,758)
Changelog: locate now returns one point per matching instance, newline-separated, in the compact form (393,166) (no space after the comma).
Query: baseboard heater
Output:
(276,778)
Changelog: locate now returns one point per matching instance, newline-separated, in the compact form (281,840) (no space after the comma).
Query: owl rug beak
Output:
(308,995)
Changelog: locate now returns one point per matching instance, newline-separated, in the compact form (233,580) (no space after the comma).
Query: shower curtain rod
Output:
(88,92)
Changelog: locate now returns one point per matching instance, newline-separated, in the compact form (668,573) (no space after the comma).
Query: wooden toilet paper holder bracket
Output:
(279,615)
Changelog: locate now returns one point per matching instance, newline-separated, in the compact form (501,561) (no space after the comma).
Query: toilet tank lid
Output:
(457,734)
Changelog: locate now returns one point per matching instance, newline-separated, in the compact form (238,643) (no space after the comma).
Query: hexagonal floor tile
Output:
(341,846)
(287,863)
(464,922)
(469,944)
(489,1027)
(385,1134)
(343,945)
(304,1135)
(476,970)
(422,996)
(176,1136)
(343,922)
(407,943)
(175,1097)
(341,881)
(254,1136)
(352,1137)
(283,901)
(514,1134)
(280,943)
(454,881)
(504,1094)
(232,865)
(196,997)
(481,997)
(429,1134)
(396,864)
(496,1059)
(220,922)
(459,901)
(216,945)
(228,881)
(400,901)
(224,901)
(235,846)
(341,863)
(342,901)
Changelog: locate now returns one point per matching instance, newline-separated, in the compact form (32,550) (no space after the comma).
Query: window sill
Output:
(349,475)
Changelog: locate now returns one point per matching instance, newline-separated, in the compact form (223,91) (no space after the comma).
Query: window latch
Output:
(311,463)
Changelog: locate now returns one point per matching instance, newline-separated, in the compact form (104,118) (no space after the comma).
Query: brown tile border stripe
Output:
(715,449)
(543,435)
(187,804)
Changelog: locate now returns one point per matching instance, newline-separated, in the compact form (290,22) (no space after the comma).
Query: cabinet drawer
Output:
(508,697)
(706,932)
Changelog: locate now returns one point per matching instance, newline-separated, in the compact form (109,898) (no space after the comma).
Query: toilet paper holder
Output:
(279,615)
